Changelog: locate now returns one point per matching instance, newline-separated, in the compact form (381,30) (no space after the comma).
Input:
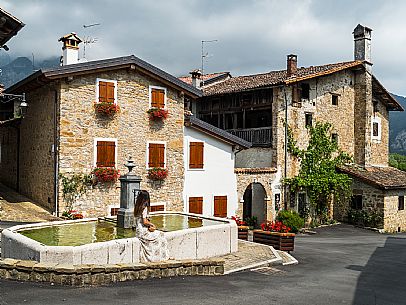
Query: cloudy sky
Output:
(253,36)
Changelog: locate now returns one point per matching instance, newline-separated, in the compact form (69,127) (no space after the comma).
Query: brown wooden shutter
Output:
(157,208)
(158,98)
(106,154)
(102,91)
(156,155)
(220,206)
(196,154)
(196,205)
(110,92)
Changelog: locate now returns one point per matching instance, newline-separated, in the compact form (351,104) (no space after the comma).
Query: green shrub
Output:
(291,219)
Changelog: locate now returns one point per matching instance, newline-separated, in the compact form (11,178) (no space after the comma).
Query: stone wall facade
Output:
(265,177)
(37,146)
(131,127)
(8,157)
(394,219)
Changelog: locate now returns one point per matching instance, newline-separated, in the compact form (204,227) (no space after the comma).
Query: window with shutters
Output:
(220,206)
(157,97)
(196,205)
(105,152)
(157,208)
(196,155)
(106,91)
(156,156)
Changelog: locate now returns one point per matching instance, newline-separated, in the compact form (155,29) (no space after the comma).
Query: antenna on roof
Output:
(205,55)
(88,40)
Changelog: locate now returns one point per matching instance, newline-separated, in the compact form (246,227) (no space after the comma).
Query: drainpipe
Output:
(18,158)
(285,195)
(55,155)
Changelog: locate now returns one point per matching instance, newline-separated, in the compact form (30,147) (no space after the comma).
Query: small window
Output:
(220,206)
(114,211)
(334,138)
(308,119)
(157,97)
(356,202)
(305,91)
(105,153)
(334,99)
(401,203)
(156,155)
(196,154)
(157,208)
(196,205)
(106,91)
(376,129)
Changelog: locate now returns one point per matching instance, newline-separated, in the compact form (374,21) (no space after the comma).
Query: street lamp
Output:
(8,97)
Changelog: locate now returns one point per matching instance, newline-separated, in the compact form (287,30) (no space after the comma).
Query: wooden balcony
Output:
(257,136)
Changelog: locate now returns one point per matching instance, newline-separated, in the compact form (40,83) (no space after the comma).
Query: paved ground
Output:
(339,265)
(17,208)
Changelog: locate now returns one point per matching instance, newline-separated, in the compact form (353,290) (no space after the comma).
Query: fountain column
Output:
(130,185)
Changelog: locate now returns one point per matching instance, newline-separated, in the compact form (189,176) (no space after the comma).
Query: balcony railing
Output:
(257,136)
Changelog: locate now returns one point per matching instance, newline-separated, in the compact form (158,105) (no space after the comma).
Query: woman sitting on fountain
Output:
(153,243)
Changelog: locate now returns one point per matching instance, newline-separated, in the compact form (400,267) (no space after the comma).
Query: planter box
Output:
(243,232)
(280,241)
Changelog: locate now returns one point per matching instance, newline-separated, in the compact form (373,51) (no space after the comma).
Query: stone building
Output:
(63,134)
(255,107)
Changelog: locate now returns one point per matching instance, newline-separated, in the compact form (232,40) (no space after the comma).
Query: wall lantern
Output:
(8,97)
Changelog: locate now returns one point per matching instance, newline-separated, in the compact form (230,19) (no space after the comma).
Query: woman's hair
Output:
(141,202)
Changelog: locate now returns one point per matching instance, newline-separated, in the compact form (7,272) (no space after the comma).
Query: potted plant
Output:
(106,108)
(157,173)
(72,214)
(106,174)
(275,234)
(242,227)
(157,113)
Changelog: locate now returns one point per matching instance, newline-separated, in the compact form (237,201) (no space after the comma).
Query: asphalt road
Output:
(339,265)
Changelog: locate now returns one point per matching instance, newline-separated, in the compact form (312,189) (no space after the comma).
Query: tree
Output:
(318,174)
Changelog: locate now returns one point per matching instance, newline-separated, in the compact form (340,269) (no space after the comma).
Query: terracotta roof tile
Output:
(382,177)
(188,79)
(272,78)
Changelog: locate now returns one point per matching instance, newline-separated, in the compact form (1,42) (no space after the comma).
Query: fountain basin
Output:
(217,237)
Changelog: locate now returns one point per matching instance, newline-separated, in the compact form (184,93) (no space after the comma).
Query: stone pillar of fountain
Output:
(130,185)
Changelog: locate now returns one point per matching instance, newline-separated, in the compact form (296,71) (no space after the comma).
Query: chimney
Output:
(196,76)
(291,65)
(70,49)
(362,43)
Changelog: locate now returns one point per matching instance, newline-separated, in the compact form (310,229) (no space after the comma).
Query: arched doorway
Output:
(254,202)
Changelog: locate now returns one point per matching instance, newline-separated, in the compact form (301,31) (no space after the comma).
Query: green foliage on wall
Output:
(318,175)
(74,186)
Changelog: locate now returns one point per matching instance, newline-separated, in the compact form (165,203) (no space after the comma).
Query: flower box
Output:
(106,108)
(157,114)
(280,241)
(157,173)
(106,174)
(243,232)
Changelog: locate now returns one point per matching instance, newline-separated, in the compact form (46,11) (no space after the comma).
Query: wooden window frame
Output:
(158,204)
(335,99)
(147,154)
(159,88)
(107,81)
(95,149)
(189,155)
(195,196)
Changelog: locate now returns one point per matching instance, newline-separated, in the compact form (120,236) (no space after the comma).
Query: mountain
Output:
(397,128)
(21,67)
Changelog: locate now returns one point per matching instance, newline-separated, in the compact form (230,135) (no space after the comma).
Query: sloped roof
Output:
(192,121)
(42,77)
(207,77)
(273,78)
(381,177)
(9,26)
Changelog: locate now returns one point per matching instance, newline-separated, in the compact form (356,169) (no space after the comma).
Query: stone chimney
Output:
(70,49)
(291,65)
(362,43)
(196,78)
